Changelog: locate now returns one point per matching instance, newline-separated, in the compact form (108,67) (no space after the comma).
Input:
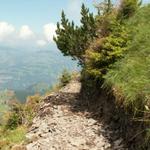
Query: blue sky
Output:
(29,22)
(26,23)
(35,13)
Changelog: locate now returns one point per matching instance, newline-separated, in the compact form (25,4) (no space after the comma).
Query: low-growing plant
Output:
(131,75)
(13,117)
(13,121)
(31,107)
(64,78)
(12,137)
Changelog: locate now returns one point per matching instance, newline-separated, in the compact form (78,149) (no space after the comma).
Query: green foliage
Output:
(13,122)
(73,40)
(104,39)
(21,114)
(129,78)
(106,23)
(115,54)
(128,8)
(31,107)
(13,118)
(16,120)
(131,75)
(12,130)
(64,78)
(11,137)
(105,51)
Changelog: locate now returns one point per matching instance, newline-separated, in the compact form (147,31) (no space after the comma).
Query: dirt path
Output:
(58,127)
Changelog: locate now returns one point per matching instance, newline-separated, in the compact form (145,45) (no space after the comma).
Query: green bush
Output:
(131,75)
(14,117)
(105,51)
(64,78)
(13,121)
(128,8)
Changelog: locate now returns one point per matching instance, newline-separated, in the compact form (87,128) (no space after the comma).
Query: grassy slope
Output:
(130,77)
(11,137)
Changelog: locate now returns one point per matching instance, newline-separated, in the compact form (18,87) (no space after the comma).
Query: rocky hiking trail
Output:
(60,125)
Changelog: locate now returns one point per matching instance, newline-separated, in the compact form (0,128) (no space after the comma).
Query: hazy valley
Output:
(28,71)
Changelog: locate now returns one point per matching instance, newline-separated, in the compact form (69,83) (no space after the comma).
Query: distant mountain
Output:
(39,88)
(28,71)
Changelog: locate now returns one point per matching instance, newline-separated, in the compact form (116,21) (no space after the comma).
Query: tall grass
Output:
(130,77)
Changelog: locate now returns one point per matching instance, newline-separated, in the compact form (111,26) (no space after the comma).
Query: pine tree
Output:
(73,40)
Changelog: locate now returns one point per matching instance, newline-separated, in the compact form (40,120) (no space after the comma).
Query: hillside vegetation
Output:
(113,49)
(131,75)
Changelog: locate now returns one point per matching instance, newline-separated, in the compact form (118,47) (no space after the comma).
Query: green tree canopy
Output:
(73,40)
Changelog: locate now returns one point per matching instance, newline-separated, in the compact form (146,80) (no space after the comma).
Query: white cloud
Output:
(49,31)
(24,37)
(6,30)
(41,43)
(25,32)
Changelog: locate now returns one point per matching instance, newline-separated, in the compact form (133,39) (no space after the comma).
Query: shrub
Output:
(14,117)
(13,121)
(13,137)
(128,8)
(31,107)
(104,52)
(64,78)
(131,76)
